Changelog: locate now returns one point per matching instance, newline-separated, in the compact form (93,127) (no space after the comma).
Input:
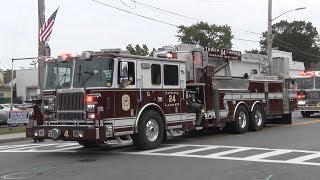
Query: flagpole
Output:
(41,50)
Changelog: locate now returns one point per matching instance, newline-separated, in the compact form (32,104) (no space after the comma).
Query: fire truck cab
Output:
(109,96)
(308,93)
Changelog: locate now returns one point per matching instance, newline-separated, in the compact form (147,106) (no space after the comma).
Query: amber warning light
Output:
(89,99)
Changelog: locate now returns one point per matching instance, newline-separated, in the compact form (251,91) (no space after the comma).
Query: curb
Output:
(14,140)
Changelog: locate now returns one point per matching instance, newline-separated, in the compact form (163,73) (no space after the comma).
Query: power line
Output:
(297,50)
(164,10)
(135,5)
(152,19)
(249,40)
(186,17)
(102,3)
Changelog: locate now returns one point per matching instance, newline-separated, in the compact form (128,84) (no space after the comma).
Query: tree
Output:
(206,35)
(299,37)
(138,50)
(256,51)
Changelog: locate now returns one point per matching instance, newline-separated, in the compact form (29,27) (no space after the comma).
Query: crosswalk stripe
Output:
(304,158)
(194,150)
(162,149)
(227,152)
(267,154)
(27,147)
(180,150)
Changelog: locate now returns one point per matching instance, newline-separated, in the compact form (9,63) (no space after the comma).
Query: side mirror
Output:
(123,70)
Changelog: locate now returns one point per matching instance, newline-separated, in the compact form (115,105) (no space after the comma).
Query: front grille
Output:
(70,116)
(70,106)
(313,95)
(70,101)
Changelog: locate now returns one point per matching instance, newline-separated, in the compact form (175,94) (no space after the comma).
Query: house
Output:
(5,91)
(27,83)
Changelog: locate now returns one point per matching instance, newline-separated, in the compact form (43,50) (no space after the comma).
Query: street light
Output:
(297,9)
(269,33)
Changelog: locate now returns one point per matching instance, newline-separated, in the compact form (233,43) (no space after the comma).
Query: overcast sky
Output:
(86,25)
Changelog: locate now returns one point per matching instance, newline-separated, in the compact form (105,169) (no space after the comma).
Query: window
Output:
(1,94)
(170,73)
(156,74)
(131,73)
(93,73)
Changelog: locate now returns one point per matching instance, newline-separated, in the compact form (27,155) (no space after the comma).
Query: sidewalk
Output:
(13,137)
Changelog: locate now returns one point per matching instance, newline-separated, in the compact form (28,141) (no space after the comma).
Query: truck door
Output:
(149,83)
(172,93)
(125,101)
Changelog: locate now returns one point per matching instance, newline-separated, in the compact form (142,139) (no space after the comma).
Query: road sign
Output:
(18,116)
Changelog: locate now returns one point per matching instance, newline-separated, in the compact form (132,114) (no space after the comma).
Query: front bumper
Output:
(308,108)
(68,132)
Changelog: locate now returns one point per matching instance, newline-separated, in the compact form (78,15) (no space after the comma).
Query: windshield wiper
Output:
(90,74)
(63,77)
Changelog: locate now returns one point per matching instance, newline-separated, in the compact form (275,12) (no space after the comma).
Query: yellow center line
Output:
(303,123)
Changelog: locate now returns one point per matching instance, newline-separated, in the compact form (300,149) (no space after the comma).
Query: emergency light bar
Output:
(309,73)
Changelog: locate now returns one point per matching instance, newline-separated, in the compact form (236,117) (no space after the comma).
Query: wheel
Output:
(88,144)
(241,120)
(257,118)
(306,113)
(14,124)
(150,131)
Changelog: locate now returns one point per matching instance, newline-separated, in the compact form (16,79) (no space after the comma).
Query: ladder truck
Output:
(108,96)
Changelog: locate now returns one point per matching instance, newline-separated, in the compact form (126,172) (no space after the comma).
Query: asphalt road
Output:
(277,152)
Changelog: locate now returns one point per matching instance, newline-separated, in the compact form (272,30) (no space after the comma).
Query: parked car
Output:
(27,106)
(4,114)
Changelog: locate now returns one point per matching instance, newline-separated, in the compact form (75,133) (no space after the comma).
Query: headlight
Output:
(49,103)
(301,102)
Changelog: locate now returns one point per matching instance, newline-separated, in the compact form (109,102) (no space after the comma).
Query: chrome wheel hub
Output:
(258,118)
(242,119)
(152,130)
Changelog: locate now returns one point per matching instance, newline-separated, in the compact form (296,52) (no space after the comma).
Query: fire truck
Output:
(308,93)
(109,96)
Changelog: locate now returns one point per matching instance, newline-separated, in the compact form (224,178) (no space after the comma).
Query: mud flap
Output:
(285,119)
(200,117)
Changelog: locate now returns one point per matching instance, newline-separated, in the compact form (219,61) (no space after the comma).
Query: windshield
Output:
(305,83)
(93,73)
(58,74)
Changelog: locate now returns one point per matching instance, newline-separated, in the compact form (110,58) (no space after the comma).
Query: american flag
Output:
(46,29)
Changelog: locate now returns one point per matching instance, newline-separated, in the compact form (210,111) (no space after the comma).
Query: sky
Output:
(86,25)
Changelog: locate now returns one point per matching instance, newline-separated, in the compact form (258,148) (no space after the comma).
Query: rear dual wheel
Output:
(257,119)
(241,120)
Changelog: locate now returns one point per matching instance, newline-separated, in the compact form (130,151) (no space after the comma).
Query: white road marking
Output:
(195,150)
(220,155)
(227,152)
(176,150)
(305,158)
(268,154)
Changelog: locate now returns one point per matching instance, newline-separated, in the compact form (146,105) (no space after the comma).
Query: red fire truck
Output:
(110,96)
(308,96)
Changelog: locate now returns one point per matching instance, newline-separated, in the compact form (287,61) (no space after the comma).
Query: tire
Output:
(257,118)
(14,124)
(150,131)
(306,113)
(241,120)
(88,144)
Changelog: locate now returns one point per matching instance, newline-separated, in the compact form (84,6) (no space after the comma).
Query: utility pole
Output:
(269,37)
(41,50)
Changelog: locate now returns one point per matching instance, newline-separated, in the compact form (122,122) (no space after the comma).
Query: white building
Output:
(27,83)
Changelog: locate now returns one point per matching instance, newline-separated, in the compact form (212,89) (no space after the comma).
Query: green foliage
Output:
(299,37)
(137,50)
(206,35)
(256,51)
